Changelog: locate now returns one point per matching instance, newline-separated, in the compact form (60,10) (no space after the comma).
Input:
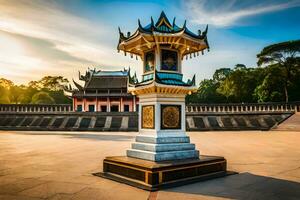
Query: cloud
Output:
(229,12)
(51,40)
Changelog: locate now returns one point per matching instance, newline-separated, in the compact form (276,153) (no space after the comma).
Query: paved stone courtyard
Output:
(58,165)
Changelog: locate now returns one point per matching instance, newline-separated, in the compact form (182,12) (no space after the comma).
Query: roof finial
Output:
(152,22)
(199,32)
(174,21)
(184,24)
(139,22)
(162,14)
(205,32)
(194,80)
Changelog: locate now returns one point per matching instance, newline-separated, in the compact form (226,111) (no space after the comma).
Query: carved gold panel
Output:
(148,116)
(170,117)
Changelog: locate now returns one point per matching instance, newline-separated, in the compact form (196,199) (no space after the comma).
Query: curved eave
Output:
(155,87)
(79,87)
(141,30)
(140,40)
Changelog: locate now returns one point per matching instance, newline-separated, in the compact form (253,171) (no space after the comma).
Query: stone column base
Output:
(153,176)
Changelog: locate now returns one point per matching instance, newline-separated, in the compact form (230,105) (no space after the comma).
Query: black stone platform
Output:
(153,176)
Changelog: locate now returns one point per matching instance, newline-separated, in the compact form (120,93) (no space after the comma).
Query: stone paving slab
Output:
(58,165)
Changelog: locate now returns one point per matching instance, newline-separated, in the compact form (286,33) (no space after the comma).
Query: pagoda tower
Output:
(162,153)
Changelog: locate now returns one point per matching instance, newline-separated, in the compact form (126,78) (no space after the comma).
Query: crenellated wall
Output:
(202,117)
(190,108)
(244,108)
(39,108)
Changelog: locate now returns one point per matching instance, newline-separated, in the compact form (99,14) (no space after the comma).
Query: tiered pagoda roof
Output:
(98,79)
(95,79)
(162,82)
(163,32)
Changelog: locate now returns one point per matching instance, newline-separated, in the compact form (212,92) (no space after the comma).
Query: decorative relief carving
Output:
(170,117)
(148,116)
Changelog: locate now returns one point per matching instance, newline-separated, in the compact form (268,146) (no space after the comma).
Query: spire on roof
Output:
(163,20)
(174,22)
(184,24)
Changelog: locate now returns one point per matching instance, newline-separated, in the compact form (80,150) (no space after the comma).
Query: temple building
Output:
(102,91)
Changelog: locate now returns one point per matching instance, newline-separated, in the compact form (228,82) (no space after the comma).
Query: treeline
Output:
(276,78)
(48,90)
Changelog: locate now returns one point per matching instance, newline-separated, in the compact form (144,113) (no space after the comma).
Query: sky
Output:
(39,38)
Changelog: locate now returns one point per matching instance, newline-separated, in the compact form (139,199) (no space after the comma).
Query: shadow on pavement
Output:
(243,186)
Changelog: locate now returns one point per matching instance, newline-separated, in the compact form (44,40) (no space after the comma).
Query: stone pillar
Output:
(83,104)
(108,104)
(155,141)
(134,103)
(96,106)
(121,108)
(192,109)
(74,104)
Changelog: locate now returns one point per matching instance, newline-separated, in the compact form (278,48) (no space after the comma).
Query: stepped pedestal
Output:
(162,155)
(163,148)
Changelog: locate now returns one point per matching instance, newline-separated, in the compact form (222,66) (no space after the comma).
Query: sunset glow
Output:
(41,38)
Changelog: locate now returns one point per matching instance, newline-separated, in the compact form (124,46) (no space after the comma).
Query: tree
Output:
(16,94)
(60,97)
(6,83)
(270,88)
(240,67)
(54,83)
(51,83)
(206,93)
(285,55)
(42,98)
(226,88)
(5,86)
(4,98)
(221,74)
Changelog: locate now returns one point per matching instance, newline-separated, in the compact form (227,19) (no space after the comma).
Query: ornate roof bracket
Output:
(79,87)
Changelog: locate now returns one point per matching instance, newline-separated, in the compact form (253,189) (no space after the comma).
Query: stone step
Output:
(162,156)
(162,140)
(291,124)
(163,147)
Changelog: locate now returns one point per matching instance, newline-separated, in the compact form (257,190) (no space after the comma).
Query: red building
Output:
(103,91)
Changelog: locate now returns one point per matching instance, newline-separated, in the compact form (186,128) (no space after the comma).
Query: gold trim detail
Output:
(160,176)
(146,176)
(148,116)
(171,116)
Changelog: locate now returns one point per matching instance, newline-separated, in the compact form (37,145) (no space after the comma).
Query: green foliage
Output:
(221,74)
(49,89)
(42,98)
(51,83)
(271,87)
(4,98)
(5,86)
(277,80)
(284,55)
(247,85)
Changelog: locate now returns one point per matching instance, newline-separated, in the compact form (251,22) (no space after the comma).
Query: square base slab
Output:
(153,176)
